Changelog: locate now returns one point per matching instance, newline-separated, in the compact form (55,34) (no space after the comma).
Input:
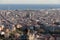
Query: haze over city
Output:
(29,1)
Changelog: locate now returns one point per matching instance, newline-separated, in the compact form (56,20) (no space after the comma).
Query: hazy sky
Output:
(29,1)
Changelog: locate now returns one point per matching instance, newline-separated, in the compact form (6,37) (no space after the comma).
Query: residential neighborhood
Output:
(41,24)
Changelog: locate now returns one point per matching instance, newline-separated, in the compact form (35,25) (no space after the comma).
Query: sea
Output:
(28,6)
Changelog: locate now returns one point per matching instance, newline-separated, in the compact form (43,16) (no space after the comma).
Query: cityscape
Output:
(43,24)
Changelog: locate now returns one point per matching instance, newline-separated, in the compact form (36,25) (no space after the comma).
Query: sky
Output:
(29,1)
